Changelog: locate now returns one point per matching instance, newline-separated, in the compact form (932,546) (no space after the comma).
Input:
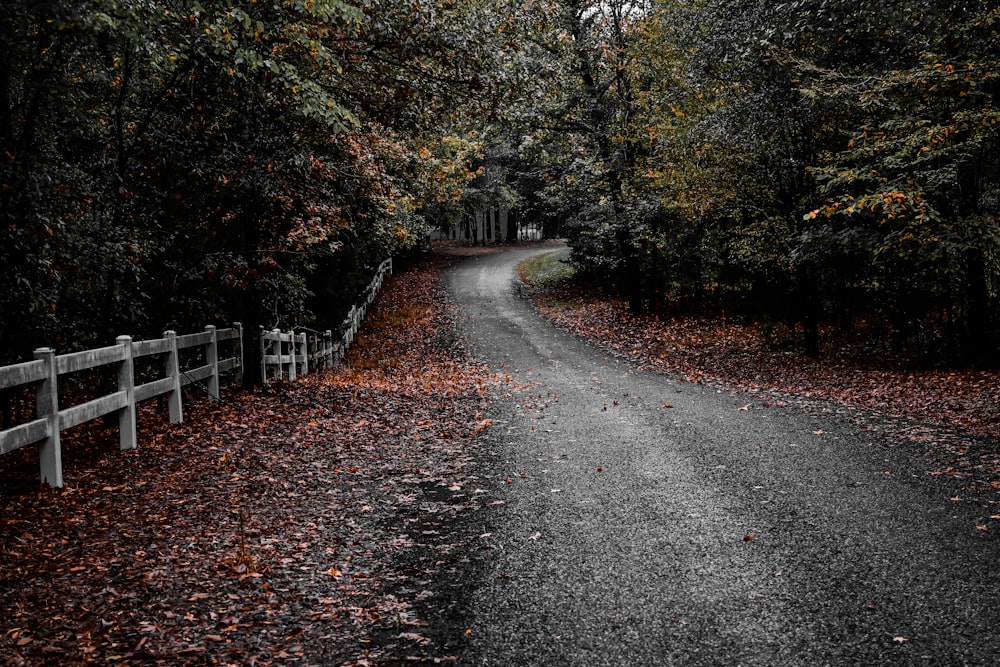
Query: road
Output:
(649,521)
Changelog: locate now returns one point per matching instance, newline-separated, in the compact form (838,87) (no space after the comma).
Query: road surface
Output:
(648,521)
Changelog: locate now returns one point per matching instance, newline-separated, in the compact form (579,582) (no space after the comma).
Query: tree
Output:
(174,164)
(920,170)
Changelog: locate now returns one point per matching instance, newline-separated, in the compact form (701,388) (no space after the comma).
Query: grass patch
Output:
(547,269)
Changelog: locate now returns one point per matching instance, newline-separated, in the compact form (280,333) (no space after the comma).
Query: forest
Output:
(814,163)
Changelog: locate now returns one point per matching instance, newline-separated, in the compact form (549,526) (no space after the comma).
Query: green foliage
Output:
(175,163)
(170,164)
(546,270)
(804,160)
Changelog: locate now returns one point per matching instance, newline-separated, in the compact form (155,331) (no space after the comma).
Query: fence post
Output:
(290,339)
(263,355)
(238,353)
(311,351)
(126,382)
(328,348)
(304,342)
(175,399)
(315,351)
(47,407)
(212,359)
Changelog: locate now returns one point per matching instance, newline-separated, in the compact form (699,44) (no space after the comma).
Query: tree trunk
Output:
(630,279)
(808,306)
(251,315)
(979,345)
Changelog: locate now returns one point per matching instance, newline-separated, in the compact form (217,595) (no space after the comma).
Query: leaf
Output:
(194,648)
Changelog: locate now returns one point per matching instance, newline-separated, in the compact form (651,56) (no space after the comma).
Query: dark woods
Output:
(824,166)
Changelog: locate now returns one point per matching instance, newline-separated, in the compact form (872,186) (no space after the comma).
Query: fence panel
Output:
(44,373)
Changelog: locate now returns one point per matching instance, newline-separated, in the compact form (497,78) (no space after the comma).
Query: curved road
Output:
(651,522)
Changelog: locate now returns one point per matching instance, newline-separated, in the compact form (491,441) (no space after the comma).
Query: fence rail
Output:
(285,354)
(51,419)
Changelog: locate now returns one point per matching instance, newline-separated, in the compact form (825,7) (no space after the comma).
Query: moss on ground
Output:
(547,269)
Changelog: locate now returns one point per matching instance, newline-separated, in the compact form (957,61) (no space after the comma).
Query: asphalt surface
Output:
(649,521)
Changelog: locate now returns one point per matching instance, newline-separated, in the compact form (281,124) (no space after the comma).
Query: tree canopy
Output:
(172,163)
(811,162)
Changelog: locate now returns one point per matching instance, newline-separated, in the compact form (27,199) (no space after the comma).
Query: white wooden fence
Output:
(288,355)
(46,369)
(285,354)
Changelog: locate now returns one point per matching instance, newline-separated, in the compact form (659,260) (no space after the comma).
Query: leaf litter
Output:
(304,523)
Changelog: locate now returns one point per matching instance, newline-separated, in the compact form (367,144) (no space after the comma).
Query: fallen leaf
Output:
(192,649)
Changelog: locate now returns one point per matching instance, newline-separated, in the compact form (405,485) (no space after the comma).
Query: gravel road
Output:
(648,521)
